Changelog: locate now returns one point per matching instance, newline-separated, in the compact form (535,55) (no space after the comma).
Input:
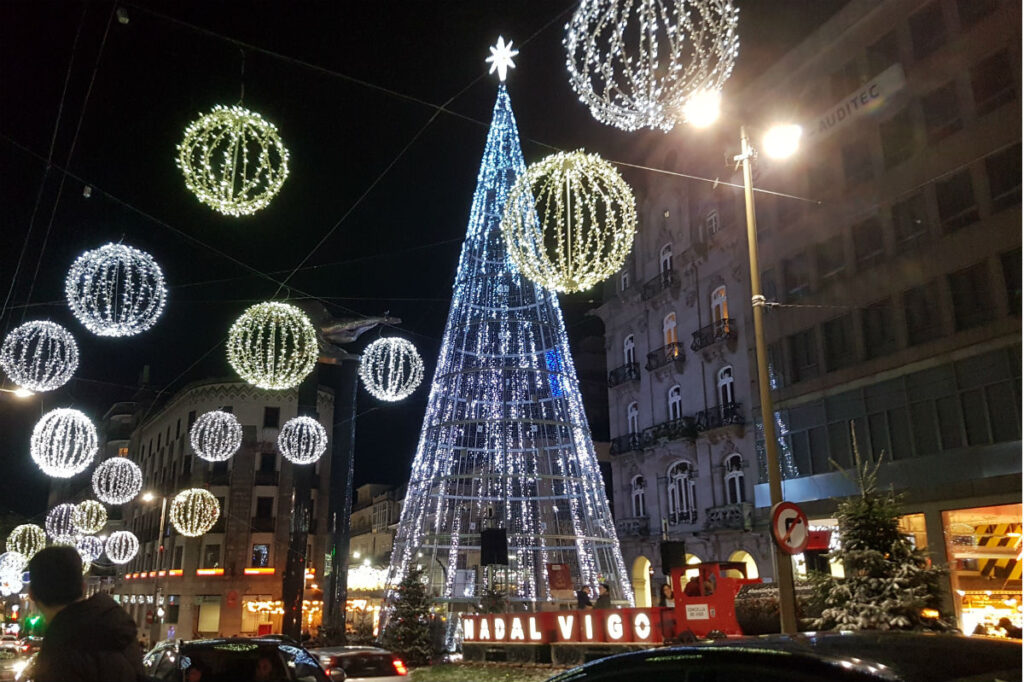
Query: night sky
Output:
(350,87)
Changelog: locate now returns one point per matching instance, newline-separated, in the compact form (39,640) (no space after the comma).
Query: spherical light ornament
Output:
(13,563)
(303,440)
(89,517)
(233,160)
(122,546)
(216,435)
(194,512)
(26,539)
(63,443)
(90,548)
(391,369)
(569,221)
(39,355)
(59,524)
(116,290)
(637,63)
(273,345)
(10,584)
(117,480)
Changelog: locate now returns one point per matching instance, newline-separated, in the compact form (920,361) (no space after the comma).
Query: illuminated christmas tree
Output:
(505,442)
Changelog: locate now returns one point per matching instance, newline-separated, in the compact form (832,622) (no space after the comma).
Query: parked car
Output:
(362,663)
(842,657)
(235,659)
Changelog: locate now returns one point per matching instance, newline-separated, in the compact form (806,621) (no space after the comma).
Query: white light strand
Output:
(303,440)
(637,63)
(90,548)
(63,443)
(273,345)
(116,290)
(39,355)
(233,160)
(216,436)
(122,546)
(89,517)
(194,512)
(391,369)
(59,524)
(569,221)
(26,539)
(117,480)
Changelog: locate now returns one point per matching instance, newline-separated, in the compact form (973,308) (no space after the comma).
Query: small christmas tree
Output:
(889,583)
(408,630)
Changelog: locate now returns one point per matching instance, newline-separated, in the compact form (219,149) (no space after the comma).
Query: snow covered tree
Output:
(889,583)
(408,629)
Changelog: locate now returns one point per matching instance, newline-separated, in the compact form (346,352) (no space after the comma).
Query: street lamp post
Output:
(154,632)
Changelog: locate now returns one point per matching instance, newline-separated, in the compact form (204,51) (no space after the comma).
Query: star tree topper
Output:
(501,58)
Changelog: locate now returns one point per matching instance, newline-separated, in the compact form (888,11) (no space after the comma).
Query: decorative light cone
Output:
(569,221)
(122,546)
(116,290)
(216,436)
(63,443)
(391,369)
(59,524)
(26,539)
(90,548)
(194,512)
(117,480)
(302,440)
(89,517)
(273,345)
(39,355)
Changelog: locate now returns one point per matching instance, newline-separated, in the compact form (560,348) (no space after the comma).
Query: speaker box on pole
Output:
(673,555)
(493,547)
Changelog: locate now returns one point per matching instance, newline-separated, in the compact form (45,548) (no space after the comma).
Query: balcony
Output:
(686,516)
(620,375)
(729,414)
(669,353)
(634,526)
(627,443)
(730,517)
(664,281)
(262,525)
(266,478)
(674,429)
(716,332)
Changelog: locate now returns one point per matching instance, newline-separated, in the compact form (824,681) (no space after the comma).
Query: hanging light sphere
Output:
(233,160)
(637,63)
(391,369)
(273,345)
(122,546)
(116,290)
(13,563)
(26,539)
(303,440)
(63,443)
(59,524)
(569,221)
(90,548)
(194,511)
(117,480)
(216,436)
(89,517)
(39,355)
(10,584)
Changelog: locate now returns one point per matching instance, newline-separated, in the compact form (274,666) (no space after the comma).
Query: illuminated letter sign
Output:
(535,634)
(499,627)
(485,631)
(468,631)
(566,626)
(613,627)
(517,629)
(588,626)
(641,626)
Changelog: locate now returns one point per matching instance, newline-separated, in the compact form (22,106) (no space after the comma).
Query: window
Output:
(719,305)
(820,179)
(803,355)
(838,338)
(665,258)
(624,280)
(682,493)
(845,80)
(122,452)
(191,419)
(675,403)
(271,417)
(830,257)
(268,462)
(1012,279)
(927,30)
(972,300)
(884,53)
(1003,170)
(898,143)
(179,558)
(796,276)
(177,428)
(734,490)
(633,418)
(973,11)
(923,323)
(668,328)
(638,488)
(992,83)
(857,163)
(211,556)
(941,112)
(260,556)
(711,223)
(264,507)
(628,351)
(726,390)
(868,247)
(957,205)
(910,223)
(879,336)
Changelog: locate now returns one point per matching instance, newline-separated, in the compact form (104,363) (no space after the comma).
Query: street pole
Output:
(783,563)
(154,632)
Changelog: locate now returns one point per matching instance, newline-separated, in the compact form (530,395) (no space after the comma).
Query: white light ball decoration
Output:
(116,290)
(273,345)
(391,369)
(39,355)
(122,546)
(89,517)
(13,563)
(569,221)
(59,524)
(117,480)
(10,584)
(233,160)
(637,63)
(63,443)
(194,512)
(216,436)
(26,539)
(90,548)
(302,440)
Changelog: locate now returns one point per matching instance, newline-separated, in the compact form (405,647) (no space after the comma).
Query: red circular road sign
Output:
(789,527)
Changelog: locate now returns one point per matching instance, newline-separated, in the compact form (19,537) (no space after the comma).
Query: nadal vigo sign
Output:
(554,627)
(868,99)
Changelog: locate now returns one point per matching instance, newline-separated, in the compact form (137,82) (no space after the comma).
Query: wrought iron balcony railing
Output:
(718,416)
(716,332)
(666,279)
(620,375)
(684,516)
(730,517)
(633,526)
(672,352)
(673,429)
(629,442)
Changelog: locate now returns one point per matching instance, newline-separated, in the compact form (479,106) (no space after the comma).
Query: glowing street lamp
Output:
(782,141)
(703,108)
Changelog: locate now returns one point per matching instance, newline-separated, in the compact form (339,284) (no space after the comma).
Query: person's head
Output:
(666,590)
(604,588)
(56,579)
(1005,623)
(586,589)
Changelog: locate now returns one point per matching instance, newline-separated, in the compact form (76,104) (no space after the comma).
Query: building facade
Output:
(376,508)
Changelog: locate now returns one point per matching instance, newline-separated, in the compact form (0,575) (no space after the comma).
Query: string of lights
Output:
(89,517)
(122,546)
(39,355)
(194,512)
(391,369)
(63,443)
(59,524)
(117,480)
(302,440)
(216,435)
(26,539)
(273,345)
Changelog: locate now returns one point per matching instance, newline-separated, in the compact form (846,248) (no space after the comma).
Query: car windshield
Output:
(366,664)
(256,661)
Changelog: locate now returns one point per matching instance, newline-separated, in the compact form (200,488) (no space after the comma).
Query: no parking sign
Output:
(789,527)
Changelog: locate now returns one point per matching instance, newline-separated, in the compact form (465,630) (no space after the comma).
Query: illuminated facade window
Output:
(628,350)
(682,493)
(668,328)
(734,490)
(633,418)
(675,403)
(639,490)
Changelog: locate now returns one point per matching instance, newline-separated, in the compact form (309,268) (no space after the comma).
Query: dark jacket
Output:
(93,640)
(604,601)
